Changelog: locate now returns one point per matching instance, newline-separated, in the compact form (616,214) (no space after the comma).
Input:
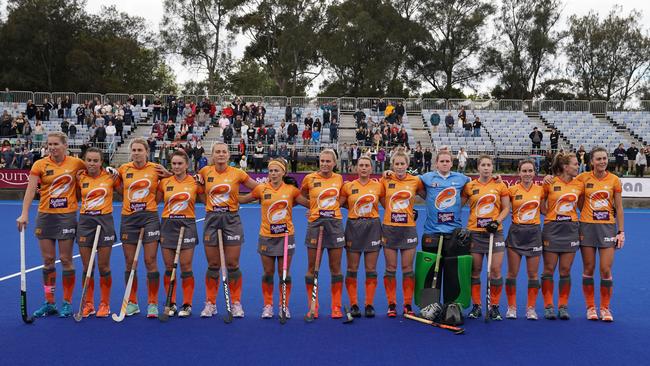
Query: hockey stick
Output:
(487,287)
(89,271)
(283,303)
(129,284)
(456,330)
(23,281)
(164,316)
(314,292)
(224,278)
(431,295)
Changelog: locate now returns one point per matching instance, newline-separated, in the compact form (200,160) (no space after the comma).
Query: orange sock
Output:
(167,280)
(606,287)
(267,289)
(351,287)
(105,283)
(309,284)
(547,290)
(90,290)
(337,290)
(476,290)
(187,279)
(565,290)
(68,285)
(133,296)
(288,280)
(49,284)
(153,285)
(408,286)
(235,283)
(371,287)
(496,286)
(211,284)
(511,291)
(588,291)
(391,287)
(533,290)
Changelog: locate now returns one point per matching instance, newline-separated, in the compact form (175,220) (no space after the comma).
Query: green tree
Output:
(250,78)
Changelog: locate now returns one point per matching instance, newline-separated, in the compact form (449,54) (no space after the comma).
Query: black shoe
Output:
(370,311)
(494,313)
(392,310)
(408,310)
(475,313)
(354,311)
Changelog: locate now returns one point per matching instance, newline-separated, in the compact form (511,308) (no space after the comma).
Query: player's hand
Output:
(492,227)
(112,171)
(79,173)
(21,222)
(548,179)
(162,171)
(387,174)
(497,178)
(199,179)
(620,240)
(415,215)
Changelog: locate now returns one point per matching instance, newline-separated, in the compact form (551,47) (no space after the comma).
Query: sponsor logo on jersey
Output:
(178,202)
(95,198)
(60,185)
(139,190)
(328,197)
(566,203)
(363,205)
(219,194)
(599,200)
(485,205)
(400,200)
(446,198)
(527,211)
(278,211)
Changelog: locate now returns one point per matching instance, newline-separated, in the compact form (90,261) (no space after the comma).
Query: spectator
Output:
(288,112)
(258,157)
(224,122)
(380,160)
(156,109)
(315,136)
(435,121)
(24,157)
(238,106)
(39,131)
(317,124)
(199,151)
(202,118)
(270,135)
(306,136)
(343,153)
(110,133)
(100,121)
(536,137)
(418,158)
(548,162)
(467,128)
(462,115)
(243,163)
(359,116)
(8,155)
(403,137)
(250,134)
(282,134)
(80,112)
(334,131)
(67,107)
(327,113)
(184,130)
(170,130)
(65,126)
(309,121)
(641,163)
(119,124)
(47,108)
(72,130)
(228,134)
(619,157)
(555,138)
(400,111)
(428,156)
(284,152)
(262,133)
(449,123)
(583,158)
(354,154)
(462,160)
(241,147)
(381,108)
(100,135)
(292,132)
(631,153)
(293,156)
(477,127)
(30,110)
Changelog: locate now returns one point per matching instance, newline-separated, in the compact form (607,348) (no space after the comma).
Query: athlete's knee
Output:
(605,272)
(407,268)
(151,263)
(564,271)
(66,261)
(391,267)
(104,267)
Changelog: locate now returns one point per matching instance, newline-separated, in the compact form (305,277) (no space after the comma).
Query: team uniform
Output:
(57,220)
(485,206)
(178,211)
(399,233)
(277,208)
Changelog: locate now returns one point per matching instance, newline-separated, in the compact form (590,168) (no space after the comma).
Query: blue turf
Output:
(377,341)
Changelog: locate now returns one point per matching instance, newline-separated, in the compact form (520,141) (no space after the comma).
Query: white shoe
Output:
(209,310)
(511,313)
(186,311)
(173,310)
(531,314)
(237,310)
(267,312)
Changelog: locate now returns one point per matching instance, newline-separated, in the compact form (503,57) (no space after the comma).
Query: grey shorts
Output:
(481,242)
(171,228)
(363,235)
(333,236)
(87,227)
(561,236)
(130,227)
(597,235)
(274,246)
(232,232)
(56,226)
(399,237)
(525,240)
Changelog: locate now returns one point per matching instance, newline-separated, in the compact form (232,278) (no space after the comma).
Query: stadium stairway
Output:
(563,143)
(623,128)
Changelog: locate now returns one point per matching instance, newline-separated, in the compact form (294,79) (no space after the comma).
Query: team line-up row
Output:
(68,184)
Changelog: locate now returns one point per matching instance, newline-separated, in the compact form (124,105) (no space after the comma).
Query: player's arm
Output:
(620,219)
(246,198)
(505,208)
(30,192)
(299,199)
(250,183)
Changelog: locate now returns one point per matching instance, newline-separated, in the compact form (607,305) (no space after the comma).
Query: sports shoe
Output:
(152,310)
(591,313)
(511,313)
(237,310)
(369,311)
(392,310)
(267,312)
(45,310)
(354,311)
(66,310)
(132,309)
(606,315)
(336,312)
(88,309)
(531,314)
(476,312)
(186,311)
(495,314)
(408,310)
(173,310)
(549,313)
(563,313)
(103,310)
(287,313)
(209,310)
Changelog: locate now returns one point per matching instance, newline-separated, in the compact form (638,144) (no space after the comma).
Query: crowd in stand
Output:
(385,129)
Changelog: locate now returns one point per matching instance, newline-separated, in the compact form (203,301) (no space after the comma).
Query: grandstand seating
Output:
(638,123)
(583,128)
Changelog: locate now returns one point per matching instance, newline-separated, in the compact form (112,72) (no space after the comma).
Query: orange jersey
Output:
(140,186)
(484,203)
(179,197)
(323,195)
(399,198)
(277,208)
(363,199)
(526,204)
(58,184)
(562,199)
(222,189)
(97,193)
(599,197)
